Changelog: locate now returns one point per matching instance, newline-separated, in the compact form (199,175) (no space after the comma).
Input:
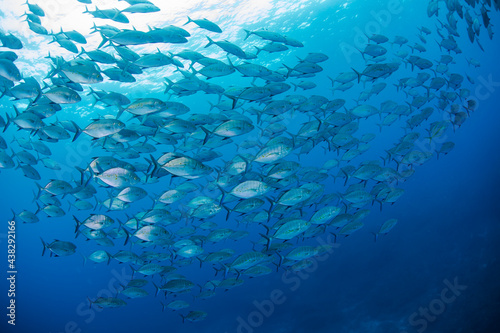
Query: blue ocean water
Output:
(434,272)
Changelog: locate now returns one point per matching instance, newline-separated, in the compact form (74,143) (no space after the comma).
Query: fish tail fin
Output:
(201,261)
(53,71)
(320,122)
(37,208)
(94,28)
(54,39)
(207,134)
(82,173)
(228,211)
(84,259)
(87,11)
(91,92)
(280,262)
(216,273)
(248,164)
(155,164)
(428,90)
(127,236)
(268,239)
(162,306)
(156,288)
(38,95)
(226,270)
(430,137)
(247,33)
(7,123)
(45,85)
(230,62)
(346,176)
(375,235)
(334,237)
(258,50)
(358,74)
(82,51)
(78,131)
(290,70)
(78,224)
(120,111)
(39,187)
(269,212)
(332,79)
(95,100)
(133,271)
(294,86)
(45,246)
(259,117)
(13,215)
(104,41)
(183,318)
(210,42)
(90,302)
(440,48)
(398,164)
(92,175)
(223,194)
(212,105)
(189,21)
(235,101)
(168,85)
(362,53)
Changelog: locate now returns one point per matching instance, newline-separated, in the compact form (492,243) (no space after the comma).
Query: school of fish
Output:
(228,165)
